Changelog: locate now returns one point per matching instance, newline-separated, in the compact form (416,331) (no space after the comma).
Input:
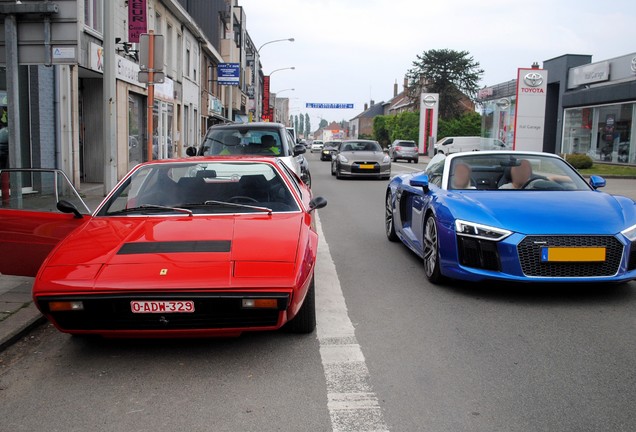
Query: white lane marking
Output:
(415,168)
(352,404)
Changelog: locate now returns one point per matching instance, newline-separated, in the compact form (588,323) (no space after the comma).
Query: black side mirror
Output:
(299,149)
(68,207)
(317,203)
(191,151)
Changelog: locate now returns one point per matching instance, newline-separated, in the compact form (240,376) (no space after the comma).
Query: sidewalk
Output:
(18,314)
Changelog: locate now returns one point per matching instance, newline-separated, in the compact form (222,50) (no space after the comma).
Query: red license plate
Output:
(162,306)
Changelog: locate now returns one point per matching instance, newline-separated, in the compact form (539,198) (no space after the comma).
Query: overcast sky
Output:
(352,51)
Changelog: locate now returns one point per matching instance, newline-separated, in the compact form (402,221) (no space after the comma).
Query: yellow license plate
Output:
(573,254)
(367,166)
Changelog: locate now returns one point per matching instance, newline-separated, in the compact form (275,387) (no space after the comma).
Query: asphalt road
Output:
(401,354)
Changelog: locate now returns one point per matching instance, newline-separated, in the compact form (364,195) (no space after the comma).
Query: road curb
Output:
(18,324)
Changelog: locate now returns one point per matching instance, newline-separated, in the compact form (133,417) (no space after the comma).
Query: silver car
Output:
(360,158)
(404,149)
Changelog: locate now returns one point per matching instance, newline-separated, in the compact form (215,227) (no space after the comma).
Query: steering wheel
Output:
(532,179)
(242,198)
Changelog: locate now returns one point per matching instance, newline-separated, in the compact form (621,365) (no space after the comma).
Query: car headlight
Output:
(341,158)
(386,159)
(471,229)
(630,233)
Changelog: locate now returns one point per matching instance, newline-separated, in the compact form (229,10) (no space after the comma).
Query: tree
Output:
(322,123)
(307,126)
(467,125)
(404,126)
(301,124)
(452,74)
(291,121)
(380,131)
(296,123)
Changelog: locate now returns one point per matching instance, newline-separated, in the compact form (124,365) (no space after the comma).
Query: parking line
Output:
(351,401)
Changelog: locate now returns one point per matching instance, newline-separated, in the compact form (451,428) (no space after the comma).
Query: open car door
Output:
(30,222)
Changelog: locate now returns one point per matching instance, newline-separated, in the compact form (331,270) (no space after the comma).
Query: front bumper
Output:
(219,313)
(517,259)
(358,170)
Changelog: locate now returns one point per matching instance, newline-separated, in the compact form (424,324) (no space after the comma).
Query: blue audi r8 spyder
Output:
(512,216)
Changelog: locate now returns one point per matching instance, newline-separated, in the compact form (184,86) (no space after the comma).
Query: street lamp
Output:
(280,91)
(285,68)
(272,41)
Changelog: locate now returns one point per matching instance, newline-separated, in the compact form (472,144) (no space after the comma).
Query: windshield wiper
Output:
(230,204)
(143,207)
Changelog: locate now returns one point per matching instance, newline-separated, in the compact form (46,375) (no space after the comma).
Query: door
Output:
(30,223)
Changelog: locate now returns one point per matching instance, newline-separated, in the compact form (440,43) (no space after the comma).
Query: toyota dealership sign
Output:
(532,86)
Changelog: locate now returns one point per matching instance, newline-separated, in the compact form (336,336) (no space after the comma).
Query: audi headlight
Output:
(386,159)
(342,159)
(485,232)
(630,233)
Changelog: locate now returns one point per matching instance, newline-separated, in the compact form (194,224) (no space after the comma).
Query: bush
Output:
(579,161)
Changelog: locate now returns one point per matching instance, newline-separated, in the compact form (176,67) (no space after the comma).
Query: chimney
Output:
(366,106)
(535,65)
(406,83)
(395,92)
(372,102)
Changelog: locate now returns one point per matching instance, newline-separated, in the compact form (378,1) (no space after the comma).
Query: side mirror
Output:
(68,207)
(317,203)
(420,181)
(597,181)
(299,149)
(191,151)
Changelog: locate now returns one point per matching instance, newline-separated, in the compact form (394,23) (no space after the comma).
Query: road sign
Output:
(228,73)
(159,77)
(144,41)
(330,105)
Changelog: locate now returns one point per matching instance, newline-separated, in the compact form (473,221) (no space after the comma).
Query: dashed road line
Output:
(352,404)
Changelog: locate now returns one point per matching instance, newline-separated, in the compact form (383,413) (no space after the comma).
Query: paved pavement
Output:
(18,314)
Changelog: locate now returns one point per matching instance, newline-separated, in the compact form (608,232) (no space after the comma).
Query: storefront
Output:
(498,111)
(599,110)
(603,132)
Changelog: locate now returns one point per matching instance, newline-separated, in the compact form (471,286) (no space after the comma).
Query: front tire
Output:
(333,169)
(305,320)
(431,251)
(389,226)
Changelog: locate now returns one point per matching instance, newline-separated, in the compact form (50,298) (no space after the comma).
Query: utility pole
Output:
(151,94)
(110,99)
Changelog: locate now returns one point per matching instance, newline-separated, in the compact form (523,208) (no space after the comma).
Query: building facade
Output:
(57,103)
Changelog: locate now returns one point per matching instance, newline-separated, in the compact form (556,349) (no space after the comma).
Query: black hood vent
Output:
(175,247)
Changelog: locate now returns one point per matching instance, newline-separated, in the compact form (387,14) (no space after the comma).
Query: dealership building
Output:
(590,108)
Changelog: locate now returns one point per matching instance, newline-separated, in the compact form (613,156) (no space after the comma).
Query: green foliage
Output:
(452,74)
(365,136)
(403,126)
(468,124)
(322,123)
(296,123)
(579,161)
(380,132)
(307,125)
(301,125)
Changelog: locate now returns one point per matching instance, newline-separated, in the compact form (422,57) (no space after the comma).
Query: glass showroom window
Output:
(602,132)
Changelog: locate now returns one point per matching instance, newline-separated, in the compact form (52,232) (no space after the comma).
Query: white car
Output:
(317,145)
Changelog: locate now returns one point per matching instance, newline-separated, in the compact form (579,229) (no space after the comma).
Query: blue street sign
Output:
(330,105)
(228,73)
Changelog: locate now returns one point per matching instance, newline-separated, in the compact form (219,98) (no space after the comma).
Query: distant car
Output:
(254,139)
(360,158)
(512,216)
(405,150)
(451,145)
(328,149)
(205,246)
(316,146)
